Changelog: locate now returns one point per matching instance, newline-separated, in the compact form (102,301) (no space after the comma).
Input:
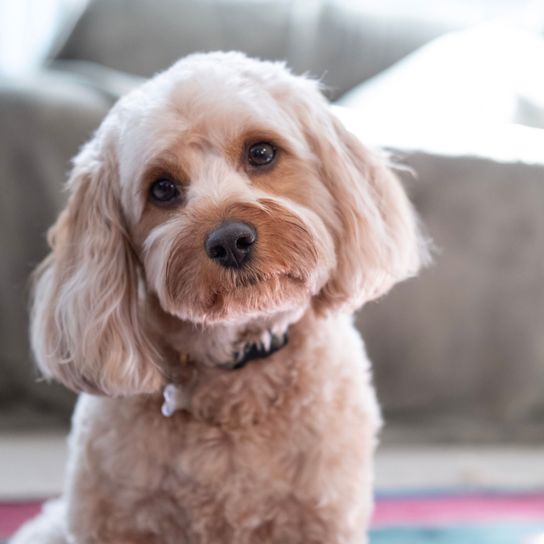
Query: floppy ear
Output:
(86,326)
(376,232)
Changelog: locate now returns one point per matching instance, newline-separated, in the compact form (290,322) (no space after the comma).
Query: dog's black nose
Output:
(231,243)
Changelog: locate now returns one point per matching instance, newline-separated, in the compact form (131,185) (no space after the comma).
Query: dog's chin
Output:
(245,300)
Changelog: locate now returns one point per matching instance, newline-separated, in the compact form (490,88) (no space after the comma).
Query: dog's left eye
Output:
(164,191)
(261,154)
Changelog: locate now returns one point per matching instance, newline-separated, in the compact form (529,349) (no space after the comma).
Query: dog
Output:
(222,226)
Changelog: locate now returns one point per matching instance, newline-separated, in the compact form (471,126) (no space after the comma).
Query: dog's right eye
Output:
(261,154)
(164,191)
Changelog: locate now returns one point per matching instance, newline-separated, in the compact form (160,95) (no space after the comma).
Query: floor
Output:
(32,466)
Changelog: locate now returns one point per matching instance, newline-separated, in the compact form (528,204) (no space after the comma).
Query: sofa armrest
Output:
(43,122)
(458,351)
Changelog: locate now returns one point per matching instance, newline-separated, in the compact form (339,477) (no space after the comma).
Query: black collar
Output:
(251,352)
(258,351)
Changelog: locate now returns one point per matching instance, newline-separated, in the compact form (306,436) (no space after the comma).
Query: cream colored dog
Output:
(221,227)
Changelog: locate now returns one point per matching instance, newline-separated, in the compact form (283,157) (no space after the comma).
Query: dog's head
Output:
(227,189)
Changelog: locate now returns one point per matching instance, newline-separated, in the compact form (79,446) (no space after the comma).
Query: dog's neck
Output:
(224,345)
(261,348)
(201,361)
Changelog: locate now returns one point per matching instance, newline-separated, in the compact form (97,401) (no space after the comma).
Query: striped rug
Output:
(416,518)
(459,518)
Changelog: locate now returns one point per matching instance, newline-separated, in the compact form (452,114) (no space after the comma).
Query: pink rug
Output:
(434,518)
(14,514)
(451,508)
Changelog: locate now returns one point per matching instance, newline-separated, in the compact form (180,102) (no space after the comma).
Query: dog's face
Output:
(223,197)
(227,189)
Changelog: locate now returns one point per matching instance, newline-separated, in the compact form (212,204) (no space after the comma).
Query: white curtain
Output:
(28,28)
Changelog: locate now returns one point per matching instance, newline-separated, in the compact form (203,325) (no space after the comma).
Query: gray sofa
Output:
(458,352)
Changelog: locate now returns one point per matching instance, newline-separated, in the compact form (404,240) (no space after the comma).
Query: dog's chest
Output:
(271,455)
(182,466)
(298,460)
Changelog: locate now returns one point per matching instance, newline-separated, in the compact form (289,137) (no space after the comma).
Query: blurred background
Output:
(453,89)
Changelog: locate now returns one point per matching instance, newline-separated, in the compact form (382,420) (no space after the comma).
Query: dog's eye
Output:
(261,154)
(164,191)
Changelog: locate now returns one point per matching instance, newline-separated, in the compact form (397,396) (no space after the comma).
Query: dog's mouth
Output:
(254,280)
(256,292)
(249,297)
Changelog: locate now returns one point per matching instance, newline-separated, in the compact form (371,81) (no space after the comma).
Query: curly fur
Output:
(280,451)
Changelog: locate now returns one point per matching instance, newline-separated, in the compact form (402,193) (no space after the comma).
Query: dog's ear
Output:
(86,326)
(377,237)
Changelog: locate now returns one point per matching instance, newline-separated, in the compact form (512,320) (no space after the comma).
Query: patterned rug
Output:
(459,518)
(419,518)
(14,514)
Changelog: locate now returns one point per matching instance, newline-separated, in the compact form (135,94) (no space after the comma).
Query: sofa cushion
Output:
(458,351)
(341,41)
